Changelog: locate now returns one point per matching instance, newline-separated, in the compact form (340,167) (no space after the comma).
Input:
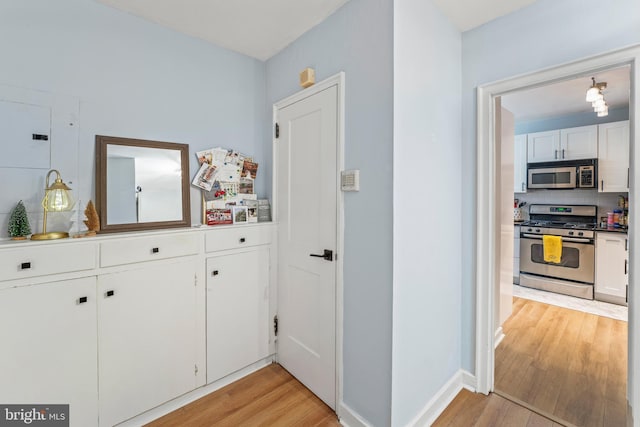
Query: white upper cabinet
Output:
(564,144)
(520,164)
(579,143)
(543,146)
(613,157)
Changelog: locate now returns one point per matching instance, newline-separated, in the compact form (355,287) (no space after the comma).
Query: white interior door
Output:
(306,155)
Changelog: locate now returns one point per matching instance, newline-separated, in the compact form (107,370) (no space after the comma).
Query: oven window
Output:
(570,256)
(551,178)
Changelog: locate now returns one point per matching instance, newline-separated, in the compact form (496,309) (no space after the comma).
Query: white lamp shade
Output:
(58,200)
(604,112)
(592,94)
(601,107)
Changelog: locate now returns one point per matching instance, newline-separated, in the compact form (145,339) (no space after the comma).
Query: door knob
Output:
(327,255)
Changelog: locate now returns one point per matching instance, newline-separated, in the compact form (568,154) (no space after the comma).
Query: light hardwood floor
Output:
(268,397)
(566,363)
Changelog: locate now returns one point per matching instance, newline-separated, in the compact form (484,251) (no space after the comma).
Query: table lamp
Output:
(56,199)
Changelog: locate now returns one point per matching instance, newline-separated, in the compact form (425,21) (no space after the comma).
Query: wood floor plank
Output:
(569,364)
(268,397)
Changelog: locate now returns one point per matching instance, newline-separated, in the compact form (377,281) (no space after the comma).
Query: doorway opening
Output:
(489,241)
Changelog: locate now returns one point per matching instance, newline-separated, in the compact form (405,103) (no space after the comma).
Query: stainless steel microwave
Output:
(562,175)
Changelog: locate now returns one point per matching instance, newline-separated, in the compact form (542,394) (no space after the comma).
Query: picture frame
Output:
(219,217)
(240,214)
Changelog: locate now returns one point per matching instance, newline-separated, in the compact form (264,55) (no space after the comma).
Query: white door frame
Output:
(339,81)
(487,226)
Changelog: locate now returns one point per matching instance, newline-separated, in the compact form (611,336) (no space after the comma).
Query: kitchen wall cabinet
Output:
(612,267)
(520,164)
(238,277)
(147,337)
(50,346)
(563,144)
(613,157)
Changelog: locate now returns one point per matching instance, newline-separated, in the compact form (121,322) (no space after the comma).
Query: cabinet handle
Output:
(109,294)
(555,156)
(214,273)
(563,153)
(626,244)
(523,187)
(81,300)
(242,240)
(155,250)
(626,262)
(25,266)
(602,185)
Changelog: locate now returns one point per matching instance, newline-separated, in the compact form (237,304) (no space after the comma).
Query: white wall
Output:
(357,39)
(134,79)
(426,187)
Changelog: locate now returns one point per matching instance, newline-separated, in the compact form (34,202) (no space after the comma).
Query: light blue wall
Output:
(547,33)
(427,184)
(570,121)
(136,79)
(358,39)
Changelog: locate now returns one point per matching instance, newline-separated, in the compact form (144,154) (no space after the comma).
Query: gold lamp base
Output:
(50,236)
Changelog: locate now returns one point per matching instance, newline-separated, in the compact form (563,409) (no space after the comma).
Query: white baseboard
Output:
(442,399)
(179,402)
(350,418)
(498,337)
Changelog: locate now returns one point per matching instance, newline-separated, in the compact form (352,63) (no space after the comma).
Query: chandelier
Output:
(596,98)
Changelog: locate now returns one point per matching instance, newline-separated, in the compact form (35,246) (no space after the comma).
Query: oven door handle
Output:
(564,239)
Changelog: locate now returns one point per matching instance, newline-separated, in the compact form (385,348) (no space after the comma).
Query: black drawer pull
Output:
(242,240)
(155,250)
(109,294)
(25,266)
(82,300)
(214,273)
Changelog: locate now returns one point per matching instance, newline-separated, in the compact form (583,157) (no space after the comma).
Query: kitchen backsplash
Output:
(606,202)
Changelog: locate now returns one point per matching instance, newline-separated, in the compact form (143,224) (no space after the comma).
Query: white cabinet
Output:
(543,146)
(612,267)
(564,144)
(579,143)
(516,254)
(49,347)
(147,337)
(520,164)
(613,157)
(237,310)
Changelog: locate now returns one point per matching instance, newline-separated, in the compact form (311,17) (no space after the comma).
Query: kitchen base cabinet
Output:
(49,347)
(237,310)
(612,267)
(146,337)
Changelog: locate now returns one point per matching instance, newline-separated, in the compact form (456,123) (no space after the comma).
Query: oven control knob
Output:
(581,234)
(529,230)
(537,230)
(571,233)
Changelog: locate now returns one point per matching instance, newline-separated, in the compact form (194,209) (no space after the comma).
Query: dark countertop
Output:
(611,230)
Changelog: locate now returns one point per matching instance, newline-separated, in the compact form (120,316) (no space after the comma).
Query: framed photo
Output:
(240,214)
(219,216)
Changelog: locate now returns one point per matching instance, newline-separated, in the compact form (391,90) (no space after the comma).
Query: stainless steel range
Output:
(575,274)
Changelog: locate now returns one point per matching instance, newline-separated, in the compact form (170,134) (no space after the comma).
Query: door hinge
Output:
(195,371)
(277,131)
(275,325)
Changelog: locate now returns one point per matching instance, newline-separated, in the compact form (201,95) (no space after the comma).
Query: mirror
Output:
(141,185)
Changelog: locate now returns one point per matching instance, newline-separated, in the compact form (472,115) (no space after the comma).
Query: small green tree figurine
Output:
(19,227)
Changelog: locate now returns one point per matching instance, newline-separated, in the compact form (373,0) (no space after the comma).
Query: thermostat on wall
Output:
(350,180)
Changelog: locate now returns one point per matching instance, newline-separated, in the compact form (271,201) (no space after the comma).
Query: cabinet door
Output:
(146,337)
(49,352)
(611,265)
(543,146)
(520,164)
(579,143)
(237,311)
(613,157)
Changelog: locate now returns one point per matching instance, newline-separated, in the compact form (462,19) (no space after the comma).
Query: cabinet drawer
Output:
(45,260)
(234,238)
(129,251)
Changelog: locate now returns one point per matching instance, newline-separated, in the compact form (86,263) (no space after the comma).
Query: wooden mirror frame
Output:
(101,184)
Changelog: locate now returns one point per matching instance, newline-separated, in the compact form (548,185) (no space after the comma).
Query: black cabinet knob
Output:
(109,294)
(155,250)
(242,240)
(25,266)
(82,300)
(214,273)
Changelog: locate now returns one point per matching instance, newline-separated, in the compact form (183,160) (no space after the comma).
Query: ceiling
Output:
(262,28)
(568,97)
